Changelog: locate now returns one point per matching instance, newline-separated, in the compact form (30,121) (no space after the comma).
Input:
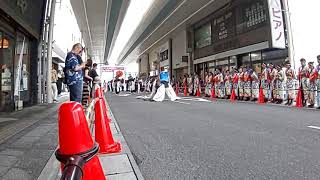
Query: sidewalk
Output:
(118,166)
(27,139)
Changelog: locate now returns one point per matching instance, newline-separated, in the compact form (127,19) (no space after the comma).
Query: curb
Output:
(125,146)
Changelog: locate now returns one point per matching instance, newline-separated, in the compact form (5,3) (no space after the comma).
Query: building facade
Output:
(237,33)
(20,27)
(240,33)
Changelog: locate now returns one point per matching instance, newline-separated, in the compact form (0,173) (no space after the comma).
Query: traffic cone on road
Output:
(233,96)
(75,139)
(103,133)
(261,96)
(198,92)
(185,92)
(213,93)
(299,99)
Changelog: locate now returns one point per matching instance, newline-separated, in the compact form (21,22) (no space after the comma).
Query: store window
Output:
(246,59)
(275,56)
(222,62)
(22,54)
(7,45)
(256,56)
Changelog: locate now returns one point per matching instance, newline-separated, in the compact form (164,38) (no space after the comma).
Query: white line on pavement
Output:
(194,99)
(314,127)
(124,95)
(181,102)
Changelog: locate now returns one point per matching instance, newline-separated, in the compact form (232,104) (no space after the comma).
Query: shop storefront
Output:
(18,53)
(252,60)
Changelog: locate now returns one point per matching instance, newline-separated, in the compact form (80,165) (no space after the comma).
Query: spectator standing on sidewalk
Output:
(59,82)
(74,74)
(95,78)
(54,79)
(86,83)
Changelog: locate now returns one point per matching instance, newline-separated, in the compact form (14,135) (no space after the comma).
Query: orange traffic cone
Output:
(198,92)
(233,96)
(99,93)
(261,96)
(103,133)
(185,92)
(299,99)
(213,93)
(75,139)
(102,91)
(105,110)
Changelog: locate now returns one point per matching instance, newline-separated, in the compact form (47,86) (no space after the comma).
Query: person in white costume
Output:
(155,84)
(165,88)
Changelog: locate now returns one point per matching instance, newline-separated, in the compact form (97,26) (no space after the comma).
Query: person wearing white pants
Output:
(54,79)
(165,88)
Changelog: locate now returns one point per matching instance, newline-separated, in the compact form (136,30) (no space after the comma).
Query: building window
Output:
(164,55)
(222,62)
(202,36)
(252,15)
(256,56)
(246,59)
(6,62)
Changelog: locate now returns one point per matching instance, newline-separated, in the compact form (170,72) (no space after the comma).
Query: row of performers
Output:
(278,84)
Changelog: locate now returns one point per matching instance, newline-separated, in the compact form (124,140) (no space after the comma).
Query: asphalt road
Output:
(219,140)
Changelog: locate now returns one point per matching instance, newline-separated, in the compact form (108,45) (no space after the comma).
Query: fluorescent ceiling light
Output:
(131,21)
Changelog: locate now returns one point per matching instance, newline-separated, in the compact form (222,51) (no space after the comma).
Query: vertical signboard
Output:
(276,24)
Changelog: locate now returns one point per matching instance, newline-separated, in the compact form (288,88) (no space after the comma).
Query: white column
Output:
(289,32)
(49,57)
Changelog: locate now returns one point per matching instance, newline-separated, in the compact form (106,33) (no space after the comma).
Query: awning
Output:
(58,55)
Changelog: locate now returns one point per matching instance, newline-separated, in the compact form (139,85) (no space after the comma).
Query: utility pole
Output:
(49,57)
(289,32)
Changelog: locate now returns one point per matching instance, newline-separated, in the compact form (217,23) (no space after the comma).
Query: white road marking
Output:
(195,99)
(203,100)
(124,95)
(314,127)
(181,102)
